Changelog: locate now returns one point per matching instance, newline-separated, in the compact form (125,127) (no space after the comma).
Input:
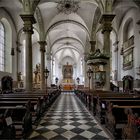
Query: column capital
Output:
(106,18)
(92,43)
(106,21)
(42,45)
(28,20)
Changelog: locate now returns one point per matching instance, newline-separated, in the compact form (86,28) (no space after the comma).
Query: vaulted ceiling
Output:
(66,34)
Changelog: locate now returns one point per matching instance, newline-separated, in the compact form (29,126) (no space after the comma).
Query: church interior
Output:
(69,69)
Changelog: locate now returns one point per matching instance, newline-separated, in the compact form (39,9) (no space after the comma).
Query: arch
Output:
(8,45)
(61,48)
(72,18)
(95,23)
(67,21)
(11,34)
(60,39)
(2,46)
(126,29)
(40,24)
(65,59)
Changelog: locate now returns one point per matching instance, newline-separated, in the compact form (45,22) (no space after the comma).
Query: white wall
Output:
(130,14)
(36,55)
(11,65)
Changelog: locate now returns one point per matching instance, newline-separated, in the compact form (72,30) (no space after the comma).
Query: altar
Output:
(67,82)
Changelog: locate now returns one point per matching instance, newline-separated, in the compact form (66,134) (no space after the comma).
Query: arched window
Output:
(2,47)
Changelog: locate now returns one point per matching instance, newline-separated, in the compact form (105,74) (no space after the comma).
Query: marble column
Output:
(42,50)
(28,20)
(106,21)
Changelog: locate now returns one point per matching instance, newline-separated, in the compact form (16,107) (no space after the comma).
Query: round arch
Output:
(64,38)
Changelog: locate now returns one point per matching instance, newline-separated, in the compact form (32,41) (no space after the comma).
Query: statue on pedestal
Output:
(20,80)
(37,76)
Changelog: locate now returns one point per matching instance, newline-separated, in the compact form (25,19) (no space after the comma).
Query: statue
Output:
(37,76)
(19,76)
(19,79)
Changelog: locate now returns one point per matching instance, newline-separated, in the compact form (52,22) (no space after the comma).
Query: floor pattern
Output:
(68,119)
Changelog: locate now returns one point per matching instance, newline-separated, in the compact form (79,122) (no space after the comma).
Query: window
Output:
(2,47)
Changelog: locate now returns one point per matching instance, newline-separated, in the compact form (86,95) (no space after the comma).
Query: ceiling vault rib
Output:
(66,48)
(64,39)
(67,21)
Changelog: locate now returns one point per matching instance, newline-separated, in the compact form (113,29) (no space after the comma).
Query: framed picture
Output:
(128,47)
(128,59)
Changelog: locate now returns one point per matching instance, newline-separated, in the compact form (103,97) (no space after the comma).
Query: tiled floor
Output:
(68,119)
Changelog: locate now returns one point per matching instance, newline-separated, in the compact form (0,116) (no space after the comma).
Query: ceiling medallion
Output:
(68,6)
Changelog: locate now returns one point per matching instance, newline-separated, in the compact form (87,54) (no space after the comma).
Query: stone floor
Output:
(68,119)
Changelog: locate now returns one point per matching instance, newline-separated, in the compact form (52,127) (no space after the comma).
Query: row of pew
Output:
(118,112)
(19,112)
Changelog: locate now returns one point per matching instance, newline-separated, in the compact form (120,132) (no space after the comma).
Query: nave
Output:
(68,119)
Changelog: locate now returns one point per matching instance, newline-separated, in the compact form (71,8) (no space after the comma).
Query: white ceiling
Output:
(66,35)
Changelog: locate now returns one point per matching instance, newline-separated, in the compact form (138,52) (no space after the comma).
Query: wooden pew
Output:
(118,119)
(21,121)
(16,102)
(100,101)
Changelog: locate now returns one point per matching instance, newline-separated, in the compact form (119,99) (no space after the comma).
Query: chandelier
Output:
(68,6)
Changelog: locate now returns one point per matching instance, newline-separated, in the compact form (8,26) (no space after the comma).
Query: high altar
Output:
(68,82)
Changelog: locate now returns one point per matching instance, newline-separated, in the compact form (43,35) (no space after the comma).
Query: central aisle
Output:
(68,119)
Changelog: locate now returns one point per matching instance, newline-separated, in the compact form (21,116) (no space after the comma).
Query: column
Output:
(42,50)
(92,43)
(85,69)
(29,20)
(18,57)
(106,21)
(49,68)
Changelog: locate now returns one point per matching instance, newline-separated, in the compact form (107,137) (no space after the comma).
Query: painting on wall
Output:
(128,59)
(127,52)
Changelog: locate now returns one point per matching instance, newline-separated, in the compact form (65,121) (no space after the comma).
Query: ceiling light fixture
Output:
(68,6)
